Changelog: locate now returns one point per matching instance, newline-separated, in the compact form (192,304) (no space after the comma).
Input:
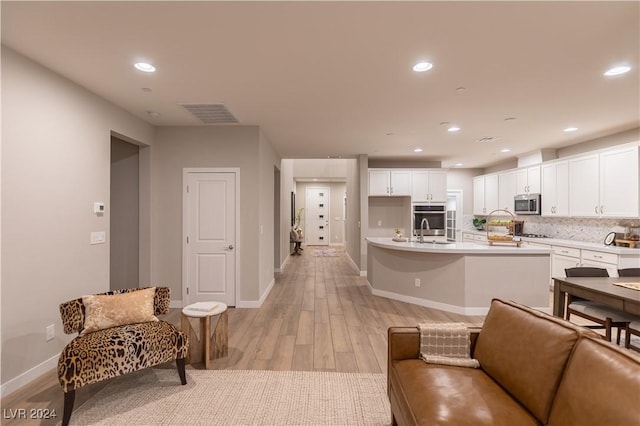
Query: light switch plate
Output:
(98,237)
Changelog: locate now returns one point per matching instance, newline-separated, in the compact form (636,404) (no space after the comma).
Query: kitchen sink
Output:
(437,242)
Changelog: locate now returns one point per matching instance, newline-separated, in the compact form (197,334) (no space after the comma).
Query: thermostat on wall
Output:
(98,208)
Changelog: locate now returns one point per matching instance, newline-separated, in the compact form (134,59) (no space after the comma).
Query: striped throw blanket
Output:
(446,343)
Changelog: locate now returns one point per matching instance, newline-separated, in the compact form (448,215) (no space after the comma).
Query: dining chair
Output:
(629,272)
(632,329)
(634,325)
(604,316)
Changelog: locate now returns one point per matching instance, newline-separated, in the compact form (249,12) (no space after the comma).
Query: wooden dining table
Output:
(597,289)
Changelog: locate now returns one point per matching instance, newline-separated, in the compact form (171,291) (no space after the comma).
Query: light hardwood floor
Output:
(319,316)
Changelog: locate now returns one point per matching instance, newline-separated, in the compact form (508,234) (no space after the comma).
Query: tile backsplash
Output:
(591,230)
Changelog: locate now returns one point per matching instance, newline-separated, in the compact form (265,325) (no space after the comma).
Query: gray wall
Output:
(56,139)
(177,148)
(352,232)
(56,163)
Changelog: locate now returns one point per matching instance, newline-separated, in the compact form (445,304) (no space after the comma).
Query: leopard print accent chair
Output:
(115,351)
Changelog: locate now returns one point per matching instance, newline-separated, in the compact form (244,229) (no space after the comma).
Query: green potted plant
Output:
(478,223)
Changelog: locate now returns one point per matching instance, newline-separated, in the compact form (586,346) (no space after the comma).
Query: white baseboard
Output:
(175,304)
(28,376)
(257,303)
(429,303)
(351,262)
(441,306)
(363,273)
(284,264)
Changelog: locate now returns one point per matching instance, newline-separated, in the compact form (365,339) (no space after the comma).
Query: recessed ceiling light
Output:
(153,114)
(145,67)
(570,129)
(458,164)
(509,119)
(617,70)
(422,66)
(417,149)
(461,89)
(146,89)
(504,150)
(453,128)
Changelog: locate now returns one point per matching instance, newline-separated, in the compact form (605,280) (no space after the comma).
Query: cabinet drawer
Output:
(566,251)
(480,238)
(537,245)
(467,237)
(598,256)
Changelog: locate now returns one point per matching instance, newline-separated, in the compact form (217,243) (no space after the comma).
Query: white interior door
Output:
(317,216)
(209,251)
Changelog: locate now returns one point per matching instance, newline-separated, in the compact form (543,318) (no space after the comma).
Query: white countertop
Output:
(576,244)
(455,248)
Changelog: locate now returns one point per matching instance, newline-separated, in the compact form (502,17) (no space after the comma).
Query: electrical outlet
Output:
(51,332)
(379,223)
(417,282)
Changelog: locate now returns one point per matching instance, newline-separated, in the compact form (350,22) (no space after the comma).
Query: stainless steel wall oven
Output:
(436,216)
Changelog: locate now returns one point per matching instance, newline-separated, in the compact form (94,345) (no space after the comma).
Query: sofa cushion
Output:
(445,395)
(601,386)
(525,351)
(106,311)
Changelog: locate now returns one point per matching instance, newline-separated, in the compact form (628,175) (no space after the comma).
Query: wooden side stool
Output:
(206,346)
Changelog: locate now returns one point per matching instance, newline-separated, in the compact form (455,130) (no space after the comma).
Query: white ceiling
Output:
(335,79)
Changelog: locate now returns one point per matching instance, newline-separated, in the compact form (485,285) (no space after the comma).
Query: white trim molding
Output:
(257,303)
(28,376)
(440,306)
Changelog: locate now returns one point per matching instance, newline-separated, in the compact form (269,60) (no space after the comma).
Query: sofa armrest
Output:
(404,342)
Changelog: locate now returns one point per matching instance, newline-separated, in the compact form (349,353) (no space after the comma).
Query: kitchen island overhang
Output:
(461,278)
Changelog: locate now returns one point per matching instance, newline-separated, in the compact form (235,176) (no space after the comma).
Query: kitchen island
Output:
(460,277)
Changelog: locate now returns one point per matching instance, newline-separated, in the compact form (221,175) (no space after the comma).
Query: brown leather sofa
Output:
(535,370)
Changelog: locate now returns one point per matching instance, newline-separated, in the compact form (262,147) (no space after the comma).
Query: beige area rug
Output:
(329,252)
(238,397)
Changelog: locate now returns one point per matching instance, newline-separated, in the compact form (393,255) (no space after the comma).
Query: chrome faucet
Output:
(424,221)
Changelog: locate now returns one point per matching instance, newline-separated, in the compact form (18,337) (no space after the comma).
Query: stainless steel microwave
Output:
(527,204)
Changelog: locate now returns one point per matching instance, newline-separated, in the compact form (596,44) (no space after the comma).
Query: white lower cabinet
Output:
(563,258)
(570,257)
(467,237)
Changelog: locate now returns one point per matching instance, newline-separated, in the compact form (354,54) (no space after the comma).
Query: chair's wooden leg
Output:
(618,335)
(607,329)
(69,398)
(180,362)
(627,337)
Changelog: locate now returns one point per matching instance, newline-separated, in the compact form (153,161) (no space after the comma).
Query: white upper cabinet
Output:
(584,186)
(485,194)
(390,182)
(555,189)
(429,186)
(507,186)
(400,182)
(619,183)
(605,184)
(379,182)
(528,180)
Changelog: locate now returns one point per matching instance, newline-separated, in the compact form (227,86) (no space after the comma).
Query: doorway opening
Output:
(124,258)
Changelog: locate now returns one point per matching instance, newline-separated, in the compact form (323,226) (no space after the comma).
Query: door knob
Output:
(230,247)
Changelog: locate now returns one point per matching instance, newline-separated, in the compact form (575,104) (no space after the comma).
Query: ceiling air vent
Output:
(211,113)
(487,139)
